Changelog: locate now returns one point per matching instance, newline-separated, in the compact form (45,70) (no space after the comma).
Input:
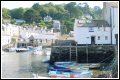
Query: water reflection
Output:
(23,65)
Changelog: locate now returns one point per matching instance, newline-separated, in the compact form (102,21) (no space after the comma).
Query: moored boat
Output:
(22,49)
(61,74)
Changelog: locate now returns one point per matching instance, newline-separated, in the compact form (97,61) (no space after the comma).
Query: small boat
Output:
(60,74)
(22,49)
(58,68)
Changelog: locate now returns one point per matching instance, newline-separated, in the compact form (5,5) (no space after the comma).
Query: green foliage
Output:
(5,13)
(12,21)
(49,25)
(69,25)
(32,16)
(36,6)
(65,13)
(17,13)
(43,25)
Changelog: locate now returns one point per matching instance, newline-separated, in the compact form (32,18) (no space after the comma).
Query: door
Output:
(92,39)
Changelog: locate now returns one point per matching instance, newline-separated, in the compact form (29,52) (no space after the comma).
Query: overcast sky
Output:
(28,4)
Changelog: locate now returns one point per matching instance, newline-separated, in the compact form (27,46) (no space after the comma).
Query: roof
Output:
(31,37)
(91,23)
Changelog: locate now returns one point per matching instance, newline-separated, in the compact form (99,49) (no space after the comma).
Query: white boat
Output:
(22,49)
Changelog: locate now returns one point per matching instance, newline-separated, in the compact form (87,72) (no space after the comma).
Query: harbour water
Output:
(23,65)
(27,65)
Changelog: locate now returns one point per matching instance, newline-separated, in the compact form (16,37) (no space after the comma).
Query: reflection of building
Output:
(110,14)
(91,32)
(47,19)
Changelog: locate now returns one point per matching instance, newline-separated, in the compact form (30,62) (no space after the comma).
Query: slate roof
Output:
(93,23)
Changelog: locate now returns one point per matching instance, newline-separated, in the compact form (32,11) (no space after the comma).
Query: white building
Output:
(40,35)
(56,24)
(92,32)
(8,32)
(6,39)
(110,14)
(10,29)
(47,19)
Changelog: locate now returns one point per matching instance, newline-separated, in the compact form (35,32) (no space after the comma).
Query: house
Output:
(9,32)
(47,19)
(110,13)
(19,21)
(10,29)
(91,32)
(6,39)
(38,36)
(56,24)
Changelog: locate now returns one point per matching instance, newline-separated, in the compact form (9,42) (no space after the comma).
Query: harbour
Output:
(67,40)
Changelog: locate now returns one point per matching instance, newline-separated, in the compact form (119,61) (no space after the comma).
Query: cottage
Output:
(92,32)
(56,24)
(47,19)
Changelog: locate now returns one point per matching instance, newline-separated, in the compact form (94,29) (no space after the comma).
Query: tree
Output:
(12,21)
(43,25)
(69,25)
(70,7)
(17,13)
(44,11)
(36,6)
(97,12)
(5,13)
(31,16)
(73,10)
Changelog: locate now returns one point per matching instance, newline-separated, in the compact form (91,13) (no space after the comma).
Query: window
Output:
(106,37)
(91,29)
(98,37)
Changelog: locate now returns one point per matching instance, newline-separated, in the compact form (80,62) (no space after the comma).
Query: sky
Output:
(28,4)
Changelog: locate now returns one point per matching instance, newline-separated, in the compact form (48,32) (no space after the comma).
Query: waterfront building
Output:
(92,32)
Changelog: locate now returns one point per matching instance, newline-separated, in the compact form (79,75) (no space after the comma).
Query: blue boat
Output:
(58,68)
